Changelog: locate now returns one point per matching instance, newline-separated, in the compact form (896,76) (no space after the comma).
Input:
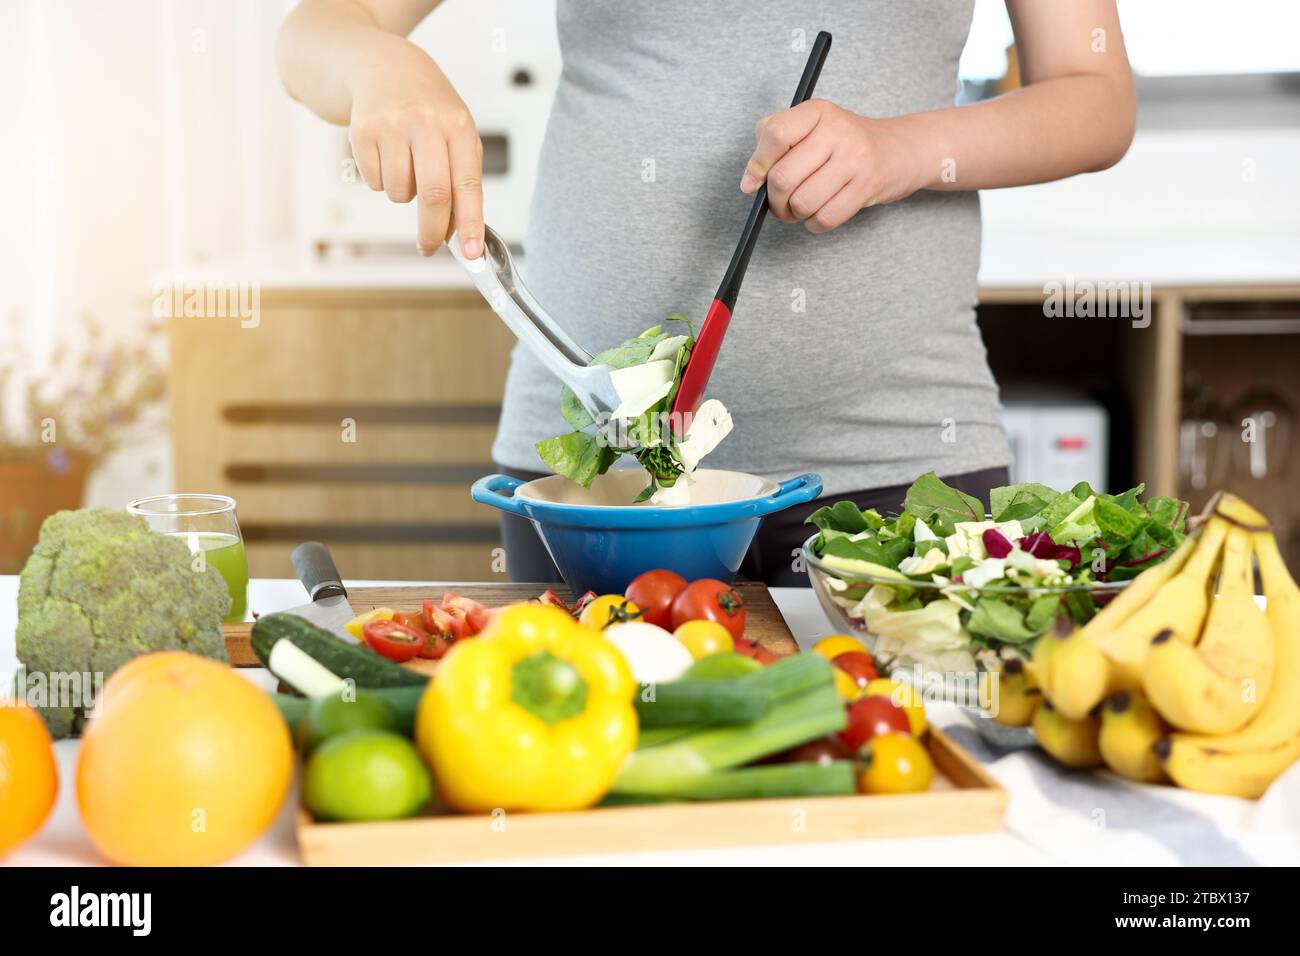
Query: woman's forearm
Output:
(326,45)
(1050,130)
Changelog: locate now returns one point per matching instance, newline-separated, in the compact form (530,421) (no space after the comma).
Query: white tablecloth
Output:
(1147,825)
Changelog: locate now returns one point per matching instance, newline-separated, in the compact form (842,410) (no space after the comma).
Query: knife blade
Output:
(329,607)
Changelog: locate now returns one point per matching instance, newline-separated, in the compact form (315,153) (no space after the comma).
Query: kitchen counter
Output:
(63,842)
(1186,827)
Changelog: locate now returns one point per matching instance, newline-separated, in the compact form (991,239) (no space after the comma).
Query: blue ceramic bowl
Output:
(600,542)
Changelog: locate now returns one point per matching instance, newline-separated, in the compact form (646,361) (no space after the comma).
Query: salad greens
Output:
(951,578)
(592,447)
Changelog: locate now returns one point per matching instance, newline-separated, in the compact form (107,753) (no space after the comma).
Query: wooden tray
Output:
(763,621)
(963,799)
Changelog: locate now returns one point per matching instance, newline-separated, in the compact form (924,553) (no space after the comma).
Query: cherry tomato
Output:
(904,696)
(710,600)
(837,644)
(654,592)
(859,666)
(608,609)
(703,638)
(869,718)
(896,763)
(824,750)
(390,639)
(755,650)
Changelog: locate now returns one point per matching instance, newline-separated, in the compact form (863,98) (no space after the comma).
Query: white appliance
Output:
(504,60)
(1056,439)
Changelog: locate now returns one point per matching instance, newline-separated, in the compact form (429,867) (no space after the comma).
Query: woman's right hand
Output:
(413,138)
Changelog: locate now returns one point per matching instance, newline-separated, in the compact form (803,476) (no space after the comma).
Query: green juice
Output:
(225,552)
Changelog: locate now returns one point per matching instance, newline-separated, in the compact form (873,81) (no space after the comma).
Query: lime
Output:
(328,717)
(721,666)
(366,775)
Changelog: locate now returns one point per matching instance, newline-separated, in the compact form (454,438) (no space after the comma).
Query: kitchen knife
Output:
(329,607)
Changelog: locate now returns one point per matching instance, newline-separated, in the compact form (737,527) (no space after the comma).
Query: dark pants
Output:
(770,558)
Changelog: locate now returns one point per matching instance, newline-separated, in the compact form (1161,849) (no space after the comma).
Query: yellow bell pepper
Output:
(356,626)
(535,714)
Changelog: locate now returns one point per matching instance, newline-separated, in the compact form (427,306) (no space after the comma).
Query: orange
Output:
(186,763)
(29,777)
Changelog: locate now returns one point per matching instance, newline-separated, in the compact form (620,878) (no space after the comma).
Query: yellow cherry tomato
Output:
(896,763)
(608,609)
(837,644)
(902,695)
(703,638)
(846,686)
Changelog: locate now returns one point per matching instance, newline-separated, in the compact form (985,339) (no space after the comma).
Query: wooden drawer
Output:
(359,419)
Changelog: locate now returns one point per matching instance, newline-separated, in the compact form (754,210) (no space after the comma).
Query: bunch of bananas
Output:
(1182,677)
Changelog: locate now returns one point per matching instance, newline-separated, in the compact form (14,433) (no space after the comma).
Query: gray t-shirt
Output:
(853,353)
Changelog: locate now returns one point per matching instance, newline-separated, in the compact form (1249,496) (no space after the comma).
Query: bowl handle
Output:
(488,491)
(793,492)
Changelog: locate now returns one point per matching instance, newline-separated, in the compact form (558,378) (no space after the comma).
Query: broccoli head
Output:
(101,588)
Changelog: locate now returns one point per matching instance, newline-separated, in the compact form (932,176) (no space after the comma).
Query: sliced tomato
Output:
(393,640)
(442,622)
(477,616)
(412,619)
(551,598)
(580,605)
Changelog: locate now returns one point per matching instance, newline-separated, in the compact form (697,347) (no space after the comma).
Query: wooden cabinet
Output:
(361,417)
(357,418)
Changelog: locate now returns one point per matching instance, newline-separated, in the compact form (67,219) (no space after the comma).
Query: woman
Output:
(854,350)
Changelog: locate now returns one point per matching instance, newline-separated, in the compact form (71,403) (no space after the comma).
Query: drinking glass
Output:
(207,524)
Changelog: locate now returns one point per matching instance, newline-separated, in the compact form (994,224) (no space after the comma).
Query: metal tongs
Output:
(497,280)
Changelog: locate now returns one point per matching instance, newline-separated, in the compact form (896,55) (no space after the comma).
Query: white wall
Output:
(148,136)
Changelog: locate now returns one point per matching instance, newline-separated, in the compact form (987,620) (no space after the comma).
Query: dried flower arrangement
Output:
(89,399)
(59,418)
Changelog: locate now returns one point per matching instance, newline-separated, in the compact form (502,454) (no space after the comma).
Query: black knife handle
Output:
(316,570)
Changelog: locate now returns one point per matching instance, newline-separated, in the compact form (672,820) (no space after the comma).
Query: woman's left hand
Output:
(822,163)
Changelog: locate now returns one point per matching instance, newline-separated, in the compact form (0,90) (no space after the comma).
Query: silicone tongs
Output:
(695,377)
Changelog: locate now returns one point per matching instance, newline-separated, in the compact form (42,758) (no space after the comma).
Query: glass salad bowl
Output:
(920,631)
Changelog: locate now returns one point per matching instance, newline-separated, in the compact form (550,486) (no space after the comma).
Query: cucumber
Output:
(347,661)
(731,700)
(405,701)
(701,702)
(837,778)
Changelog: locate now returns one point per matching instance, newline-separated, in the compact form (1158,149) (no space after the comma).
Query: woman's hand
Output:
(413,138)
(822,163)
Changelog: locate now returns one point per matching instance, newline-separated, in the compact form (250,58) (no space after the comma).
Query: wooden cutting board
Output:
(763,620)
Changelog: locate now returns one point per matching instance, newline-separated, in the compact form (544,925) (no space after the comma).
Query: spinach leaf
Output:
(885,553)
(993,617)
(940,505)
(577,455)
(1020,502)
(572,410)
(841,516)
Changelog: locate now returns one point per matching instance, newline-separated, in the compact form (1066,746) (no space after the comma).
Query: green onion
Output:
(794,720)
